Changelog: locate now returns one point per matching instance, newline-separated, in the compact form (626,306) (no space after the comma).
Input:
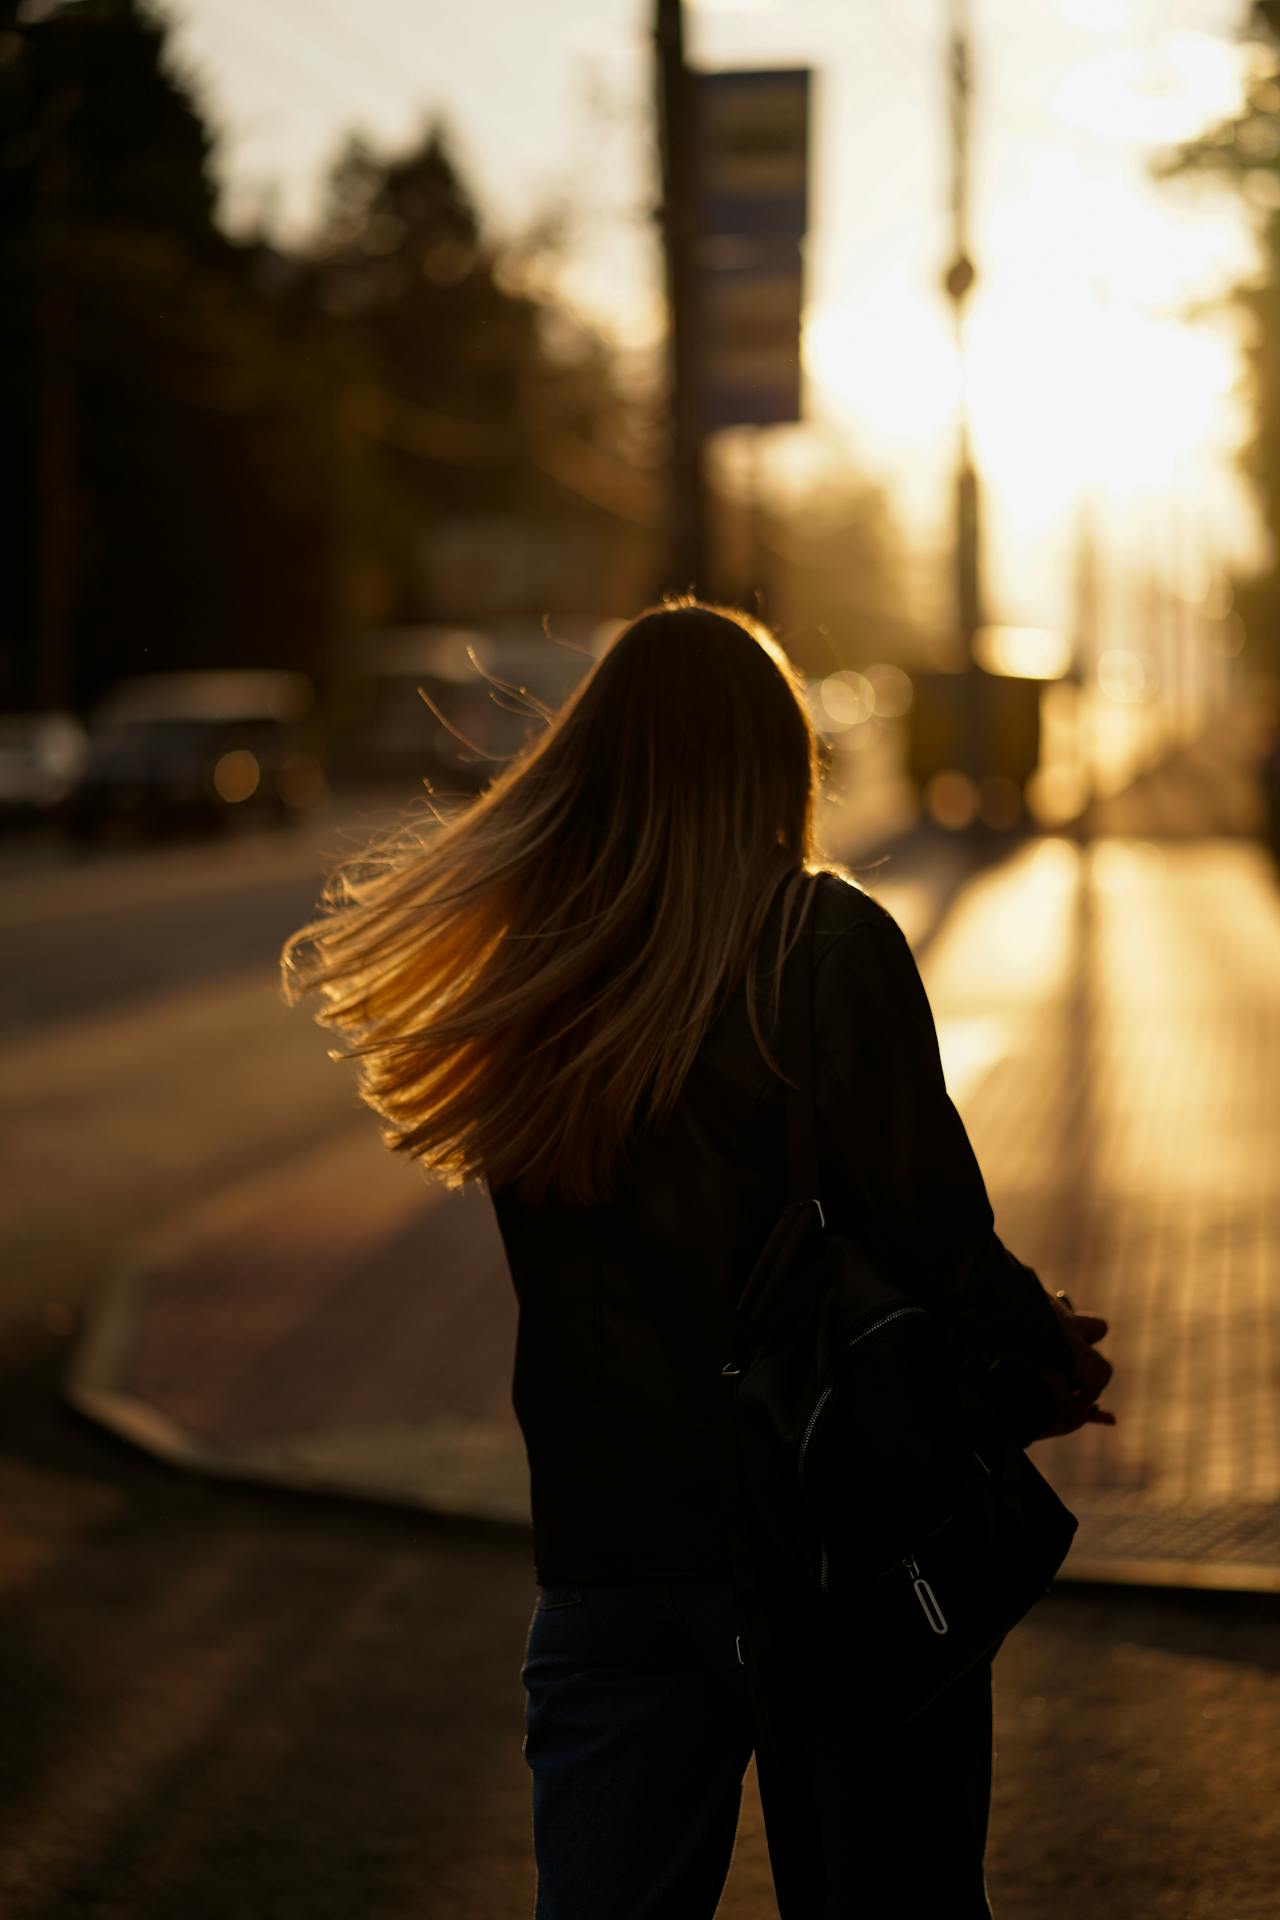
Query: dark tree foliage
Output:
(1245,152)
(470,396)
(214,454)
(440,354)
(160,470)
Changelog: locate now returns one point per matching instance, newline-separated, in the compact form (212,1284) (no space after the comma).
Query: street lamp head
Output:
(959,277)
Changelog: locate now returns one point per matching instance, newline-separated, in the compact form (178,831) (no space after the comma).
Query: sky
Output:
(1087,381)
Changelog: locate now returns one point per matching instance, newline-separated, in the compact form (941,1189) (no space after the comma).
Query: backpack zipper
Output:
(883,1321)
(826,1393)
(823,1398)
(926,1596)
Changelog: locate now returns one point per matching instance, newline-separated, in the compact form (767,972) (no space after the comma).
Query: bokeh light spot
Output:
(848,698)
(236,775)
(952,799)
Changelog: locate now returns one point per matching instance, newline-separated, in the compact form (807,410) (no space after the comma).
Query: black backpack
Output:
(889,1522)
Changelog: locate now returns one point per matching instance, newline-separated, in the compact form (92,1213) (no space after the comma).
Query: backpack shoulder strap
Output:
(797,1061)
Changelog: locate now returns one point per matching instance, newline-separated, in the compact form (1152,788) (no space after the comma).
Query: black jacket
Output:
(625,1308)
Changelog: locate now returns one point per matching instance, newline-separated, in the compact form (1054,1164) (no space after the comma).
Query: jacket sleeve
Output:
(896,1158)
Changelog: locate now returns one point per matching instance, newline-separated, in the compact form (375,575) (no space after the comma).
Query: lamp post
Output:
(958,281)
(685,559)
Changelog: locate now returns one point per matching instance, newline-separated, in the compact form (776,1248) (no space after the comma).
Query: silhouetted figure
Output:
(566,991)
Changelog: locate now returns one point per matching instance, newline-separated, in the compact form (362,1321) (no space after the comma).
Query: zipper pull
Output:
(926,1596)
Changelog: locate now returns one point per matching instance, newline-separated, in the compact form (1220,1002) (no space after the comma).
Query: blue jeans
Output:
(641,1718)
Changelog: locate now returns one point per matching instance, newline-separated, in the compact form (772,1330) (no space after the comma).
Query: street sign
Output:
(751,332)
(753,152)
(753,169)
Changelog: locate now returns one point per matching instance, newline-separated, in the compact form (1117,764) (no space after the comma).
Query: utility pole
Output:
(1086,615)
(958,282)
(685,561)
(57,508)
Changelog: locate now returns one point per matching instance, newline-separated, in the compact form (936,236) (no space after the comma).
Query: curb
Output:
(455,1467)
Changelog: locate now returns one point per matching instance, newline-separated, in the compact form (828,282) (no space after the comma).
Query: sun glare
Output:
(885,363)
(1081,371)
(1064,390)
(1151,96)
(1073,392)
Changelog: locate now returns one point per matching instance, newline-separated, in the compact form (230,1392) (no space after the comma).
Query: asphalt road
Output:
(70,967)
(86,933)
(229,1704)
(165,1065)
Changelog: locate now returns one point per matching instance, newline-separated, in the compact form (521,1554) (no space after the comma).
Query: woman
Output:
(565,990)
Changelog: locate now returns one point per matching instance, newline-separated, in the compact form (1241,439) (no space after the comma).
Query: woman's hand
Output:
(1077,1394)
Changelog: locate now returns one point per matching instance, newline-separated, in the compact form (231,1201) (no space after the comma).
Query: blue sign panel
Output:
(753,209)
(750,314)
(753,151)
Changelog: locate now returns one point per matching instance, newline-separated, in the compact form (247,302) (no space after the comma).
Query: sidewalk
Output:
(1108,1018)
(1110,1023)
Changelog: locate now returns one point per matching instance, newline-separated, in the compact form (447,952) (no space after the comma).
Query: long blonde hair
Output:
(527,982)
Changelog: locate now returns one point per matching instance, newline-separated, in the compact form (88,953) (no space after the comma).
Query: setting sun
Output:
(1064,391)
(1088,370)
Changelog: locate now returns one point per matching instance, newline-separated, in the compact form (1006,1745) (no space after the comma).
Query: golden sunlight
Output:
(1166,93)
(1068,389)
(1065,389)
(1082,372)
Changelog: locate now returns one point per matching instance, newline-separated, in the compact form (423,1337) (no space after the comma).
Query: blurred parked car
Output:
(194,749)
(472,719)
(41,757)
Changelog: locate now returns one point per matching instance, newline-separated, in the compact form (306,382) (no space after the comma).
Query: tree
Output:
(218,454)
(474,397)
(1244,152)
(159,504)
